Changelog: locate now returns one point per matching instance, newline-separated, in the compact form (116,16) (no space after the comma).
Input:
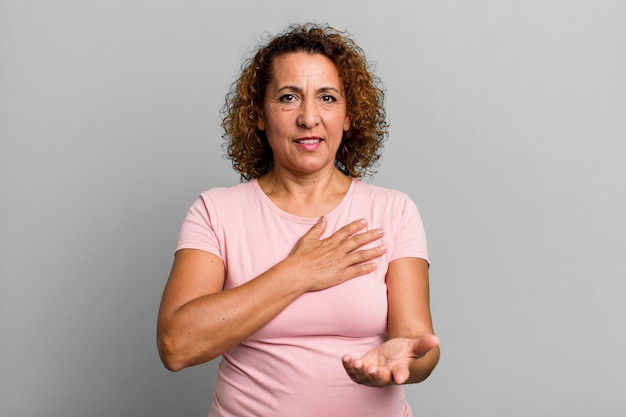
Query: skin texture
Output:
(303,100)
(304,117)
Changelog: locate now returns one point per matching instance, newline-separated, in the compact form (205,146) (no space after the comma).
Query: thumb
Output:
(422,345)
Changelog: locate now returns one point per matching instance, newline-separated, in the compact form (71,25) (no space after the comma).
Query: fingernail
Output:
(363,221)
(321,219)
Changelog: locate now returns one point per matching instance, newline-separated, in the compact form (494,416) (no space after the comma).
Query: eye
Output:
(287,98)
(327,98)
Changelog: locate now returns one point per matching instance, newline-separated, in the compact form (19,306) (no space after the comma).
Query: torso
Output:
(292,366)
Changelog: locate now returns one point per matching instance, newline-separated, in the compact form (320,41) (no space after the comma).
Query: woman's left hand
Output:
(389,363)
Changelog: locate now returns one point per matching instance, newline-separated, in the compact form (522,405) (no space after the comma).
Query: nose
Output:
(308,115)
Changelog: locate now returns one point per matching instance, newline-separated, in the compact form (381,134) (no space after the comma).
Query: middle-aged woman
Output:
(312,285)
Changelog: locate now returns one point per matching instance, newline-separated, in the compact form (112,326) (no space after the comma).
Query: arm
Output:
(411,351)
(199,321)
(409,312)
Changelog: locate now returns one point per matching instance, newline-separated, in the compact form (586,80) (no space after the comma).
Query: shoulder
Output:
(393,205)
(380,195)
(243,189)
(223,201)
(377,189)
(233,195)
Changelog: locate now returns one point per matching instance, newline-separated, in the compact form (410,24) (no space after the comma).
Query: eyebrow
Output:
(299,90)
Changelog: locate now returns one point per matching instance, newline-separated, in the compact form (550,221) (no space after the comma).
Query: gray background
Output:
(508,130)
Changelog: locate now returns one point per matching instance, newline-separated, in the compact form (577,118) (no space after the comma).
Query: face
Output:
(304,113)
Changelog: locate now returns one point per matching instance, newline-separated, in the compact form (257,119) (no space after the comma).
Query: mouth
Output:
(309,144)
(309,140)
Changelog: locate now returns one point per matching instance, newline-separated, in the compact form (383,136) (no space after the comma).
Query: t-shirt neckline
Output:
(299,219)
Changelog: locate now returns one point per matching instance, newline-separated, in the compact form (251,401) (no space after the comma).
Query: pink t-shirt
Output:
(292,366)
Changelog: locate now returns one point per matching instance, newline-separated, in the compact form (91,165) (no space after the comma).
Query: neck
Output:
(306,196)
(286,183)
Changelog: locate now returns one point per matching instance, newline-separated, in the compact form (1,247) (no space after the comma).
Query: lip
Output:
(309,143)
(308,139)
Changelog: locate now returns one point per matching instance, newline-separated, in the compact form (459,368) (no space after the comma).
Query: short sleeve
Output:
(410,238)
(198,230)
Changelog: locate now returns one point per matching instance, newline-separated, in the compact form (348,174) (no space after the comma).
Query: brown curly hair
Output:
(358,154)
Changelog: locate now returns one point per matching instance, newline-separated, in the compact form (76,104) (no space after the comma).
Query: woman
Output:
(302,268)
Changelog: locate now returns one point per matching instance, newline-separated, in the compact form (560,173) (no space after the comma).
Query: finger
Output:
(348,230)
(400,374)
(362,374)
(374,376)
(364,255)
(355,369)
(348,365)
(358,270)
(317,229)
(357,264)
(361,239)
(424,344)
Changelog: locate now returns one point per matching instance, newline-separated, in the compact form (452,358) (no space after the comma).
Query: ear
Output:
(260,123)
(346,124)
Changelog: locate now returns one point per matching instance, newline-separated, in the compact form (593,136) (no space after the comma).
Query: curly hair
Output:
(358,154)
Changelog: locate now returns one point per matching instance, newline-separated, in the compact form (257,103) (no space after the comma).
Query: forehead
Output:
(303,65)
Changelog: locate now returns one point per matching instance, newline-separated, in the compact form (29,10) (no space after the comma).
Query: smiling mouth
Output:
(309,141)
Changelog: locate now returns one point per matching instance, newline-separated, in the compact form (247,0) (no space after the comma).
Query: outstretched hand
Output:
(390,362)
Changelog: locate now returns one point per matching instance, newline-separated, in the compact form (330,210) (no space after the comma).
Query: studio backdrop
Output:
(508,130)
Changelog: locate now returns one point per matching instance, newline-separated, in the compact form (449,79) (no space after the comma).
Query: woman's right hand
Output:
(323,263)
